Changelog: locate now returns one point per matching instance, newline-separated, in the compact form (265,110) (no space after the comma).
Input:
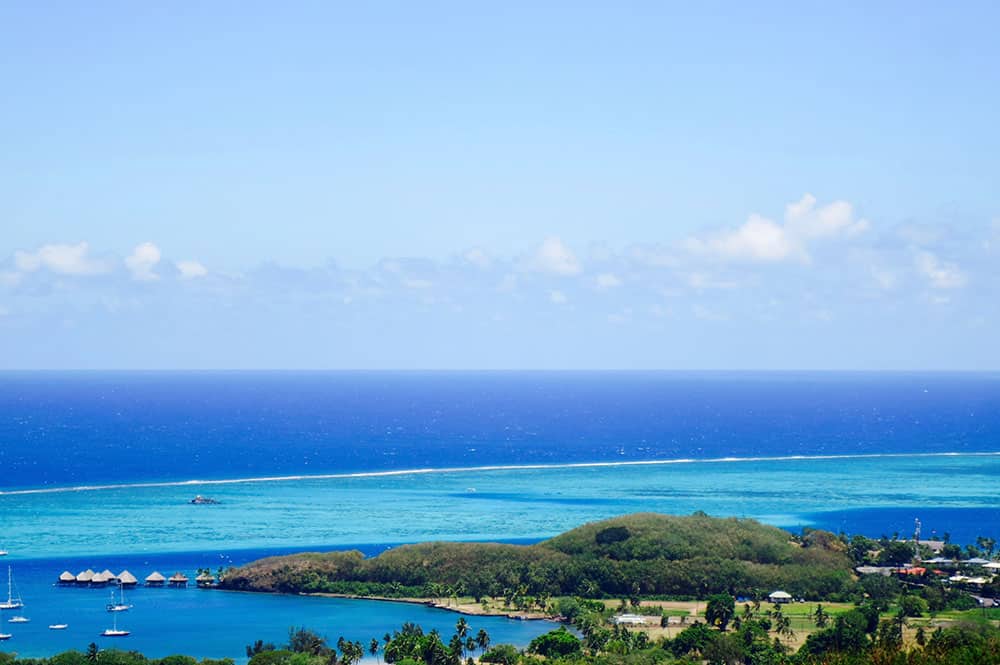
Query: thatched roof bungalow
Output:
(155,579)
(205,580)
(178,580)
(99,579)
(126,578)
(85,577)
(67,578)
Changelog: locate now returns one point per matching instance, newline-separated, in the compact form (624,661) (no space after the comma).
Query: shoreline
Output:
(466,609)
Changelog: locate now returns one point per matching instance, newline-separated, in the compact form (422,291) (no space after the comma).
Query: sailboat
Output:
(120,606)
(13,602)
(5,636)
(114,632)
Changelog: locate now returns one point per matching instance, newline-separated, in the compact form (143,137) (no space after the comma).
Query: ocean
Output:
(95,467)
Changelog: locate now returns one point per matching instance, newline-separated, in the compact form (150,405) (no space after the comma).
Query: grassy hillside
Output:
(634,555)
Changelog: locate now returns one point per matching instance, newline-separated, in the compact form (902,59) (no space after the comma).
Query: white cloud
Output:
(555,258)
(608,280)
(558,297)
(763,240)
(191,269)
(61,259)
(758,239)
(940,274)
(805,221)
(478,257)
(414,283)
(142,261)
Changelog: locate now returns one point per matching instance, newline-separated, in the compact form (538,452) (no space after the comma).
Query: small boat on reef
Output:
(5,636)
(59,626)
(18,619)
(200,500)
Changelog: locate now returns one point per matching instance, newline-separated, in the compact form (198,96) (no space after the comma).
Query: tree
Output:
(987,545)
(302,640)
(503,654)
(912,606)
(821,617)
(782,624)
(373,648)
(483,640)
(462,628)
(259,646)
(93,653)
(896,552)
(720,610)
(555,643)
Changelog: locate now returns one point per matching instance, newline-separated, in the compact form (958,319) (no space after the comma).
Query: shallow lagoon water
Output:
(944,491)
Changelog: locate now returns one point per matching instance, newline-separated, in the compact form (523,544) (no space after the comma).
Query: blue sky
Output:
(499,185)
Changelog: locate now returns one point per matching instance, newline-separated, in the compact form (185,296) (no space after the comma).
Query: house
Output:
(780,597)
(629,620)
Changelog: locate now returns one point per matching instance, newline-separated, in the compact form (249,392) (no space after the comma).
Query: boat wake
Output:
(487,468)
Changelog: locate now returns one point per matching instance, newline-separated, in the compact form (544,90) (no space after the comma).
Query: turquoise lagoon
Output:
(840,493)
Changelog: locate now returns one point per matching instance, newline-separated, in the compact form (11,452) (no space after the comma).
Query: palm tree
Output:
(782,624)
(820,617)
(373,648)
(483,640)
(462,628)
(93,653)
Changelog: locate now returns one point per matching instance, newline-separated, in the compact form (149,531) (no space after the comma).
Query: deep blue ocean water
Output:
(383,458)
(73,428)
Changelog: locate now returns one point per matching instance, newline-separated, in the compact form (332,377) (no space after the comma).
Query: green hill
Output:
(635,555)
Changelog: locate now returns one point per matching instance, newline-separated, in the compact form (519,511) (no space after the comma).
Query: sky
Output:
(455,185)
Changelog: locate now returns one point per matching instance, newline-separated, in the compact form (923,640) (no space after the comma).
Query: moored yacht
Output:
(13,601)
(114,631)
(119,606)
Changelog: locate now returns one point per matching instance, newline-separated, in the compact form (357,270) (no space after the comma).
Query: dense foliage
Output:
(642,554)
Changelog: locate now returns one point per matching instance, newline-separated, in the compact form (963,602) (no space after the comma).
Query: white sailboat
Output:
(59,626)
(13,602)
(120,606)
(18,619)
(113,631)
(5,636)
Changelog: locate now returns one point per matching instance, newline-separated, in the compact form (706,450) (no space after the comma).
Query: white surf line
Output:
(478,469)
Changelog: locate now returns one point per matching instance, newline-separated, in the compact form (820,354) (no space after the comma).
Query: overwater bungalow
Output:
(156,579)
(67,578)
(204,580)
(85,577)
(127,579)
(178,580)
(99,579)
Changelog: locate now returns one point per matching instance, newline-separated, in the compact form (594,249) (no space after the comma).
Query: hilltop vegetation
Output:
(635,555)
